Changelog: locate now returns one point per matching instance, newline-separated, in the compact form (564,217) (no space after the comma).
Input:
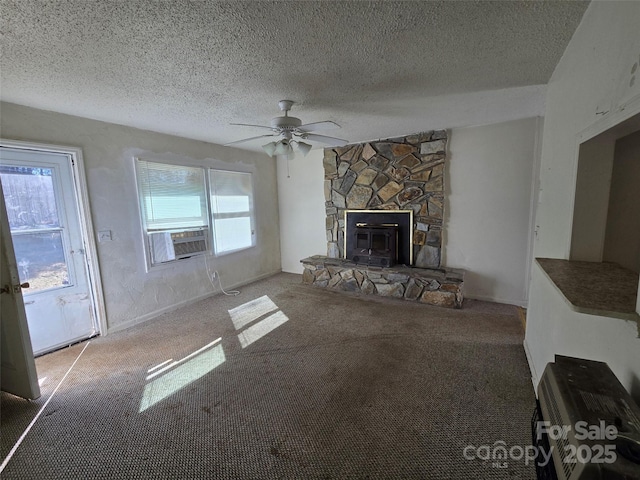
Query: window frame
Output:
(211,248)
(252,220)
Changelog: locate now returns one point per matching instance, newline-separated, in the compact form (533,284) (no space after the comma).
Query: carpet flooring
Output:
(284,381)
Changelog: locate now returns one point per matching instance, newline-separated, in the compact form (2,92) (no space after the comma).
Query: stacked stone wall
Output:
(405,173)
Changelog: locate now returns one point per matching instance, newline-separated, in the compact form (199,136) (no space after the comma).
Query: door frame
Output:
(84,213)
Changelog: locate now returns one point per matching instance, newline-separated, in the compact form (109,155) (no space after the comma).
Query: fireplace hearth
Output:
(442,287)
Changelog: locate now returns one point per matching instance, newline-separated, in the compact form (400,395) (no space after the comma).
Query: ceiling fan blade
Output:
(338,142)
(318,126)
(247,139)
(251,125)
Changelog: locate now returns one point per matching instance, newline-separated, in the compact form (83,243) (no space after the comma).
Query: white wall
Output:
(591,85)
(622,242)
(131,294)
(559,330)
(490,173)
(594,87)
(302,213)
(489,182)
(593,183)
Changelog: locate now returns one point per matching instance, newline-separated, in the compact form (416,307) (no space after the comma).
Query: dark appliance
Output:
(375,245)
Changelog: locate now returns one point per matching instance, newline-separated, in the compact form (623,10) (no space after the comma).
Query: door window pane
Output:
(41,261)
(28,194)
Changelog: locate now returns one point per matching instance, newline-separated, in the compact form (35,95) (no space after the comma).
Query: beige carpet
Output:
(283,381)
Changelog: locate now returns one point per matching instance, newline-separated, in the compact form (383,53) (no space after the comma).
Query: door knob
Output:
(14,288)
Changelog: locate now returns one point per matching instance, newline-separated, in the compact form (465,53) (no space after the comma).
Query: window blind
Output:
(172,196)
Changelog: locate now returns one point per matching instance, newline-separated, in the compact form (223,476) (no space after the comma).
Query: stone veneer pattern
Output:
(441,287)
(405,173)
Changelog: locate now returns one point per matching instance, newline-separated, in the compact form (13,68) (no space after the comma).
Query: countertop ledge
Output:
(605,289)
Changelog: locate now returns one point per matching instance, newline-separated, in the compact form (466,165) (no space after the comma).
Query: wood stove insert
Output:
(379,238)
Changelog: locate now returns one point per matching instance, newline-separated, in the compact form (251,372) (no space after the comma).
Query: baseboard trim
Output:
(506,301)
(252,280)
(532,368)
(156,313)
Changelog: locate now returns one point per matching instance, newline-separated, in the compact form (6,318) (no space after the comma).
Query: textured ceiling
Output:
(379,69)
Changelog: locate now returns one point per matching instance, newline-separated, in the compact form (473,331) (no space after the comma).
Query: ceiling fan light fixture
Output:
(283,148)
(303,147)
(291,129)
(270,148)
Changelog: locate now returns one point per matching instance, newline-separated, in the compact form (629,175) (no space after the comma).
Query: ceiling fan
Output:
(291,131)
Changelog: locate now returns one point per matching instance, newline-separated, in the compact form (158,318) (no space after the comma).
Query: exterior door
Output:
(18,371)
(42,209)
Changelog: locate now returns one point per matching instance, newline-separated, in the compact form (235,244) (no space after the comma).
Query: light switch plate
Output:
(104,236)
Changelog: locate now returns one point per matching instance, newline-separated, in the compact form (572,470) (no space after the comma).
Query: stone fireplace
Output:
(405,173)
(384,204)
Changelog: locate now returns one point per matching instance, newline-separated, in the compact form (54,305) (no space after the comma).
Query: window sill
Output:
(173,263)
(604,289)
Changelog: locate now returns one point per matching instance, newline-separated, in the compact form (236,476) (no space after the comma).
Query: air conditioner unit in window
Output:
(174,245)
(592,423)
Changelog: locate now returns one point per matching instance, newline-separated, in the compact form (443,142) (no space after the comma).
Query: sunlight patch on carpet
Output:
(177,375)
(251,311)
(262,328)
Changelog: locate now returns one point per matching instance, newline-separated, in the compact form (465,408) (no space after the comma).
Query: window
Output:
(172,196)
(232,209)
(177,213)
